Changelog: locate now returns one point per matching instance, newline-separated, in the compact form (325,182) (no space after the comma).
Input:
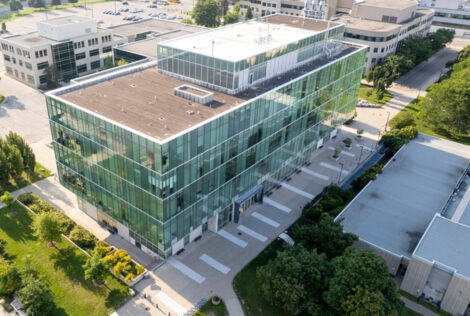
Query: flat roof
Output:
(446,242)
(138,99)
(29,40)
(69,19)
(155,26)
(249,38)
(395,4)
(393,211)
(367,25)
(145,101)
(148,47)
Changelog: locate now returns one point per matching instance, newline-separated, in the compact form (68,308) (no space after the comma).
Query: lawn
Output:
(62,267)
(248,288)
(216,310)
(415,108)
(363,90)
(25,179)
(410,312)
(429,306)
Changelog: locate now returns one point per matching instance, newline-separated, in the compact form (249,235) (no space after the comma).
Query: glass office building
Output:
(161,190)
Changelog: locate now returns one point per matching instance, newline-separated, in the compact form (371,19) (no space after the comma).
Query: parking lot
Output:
(27,23)
(208,266)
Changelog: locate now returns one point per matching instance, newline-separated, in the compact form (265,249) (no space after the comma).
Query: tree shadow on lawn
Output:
(59,311)
(69,260)
(17,227)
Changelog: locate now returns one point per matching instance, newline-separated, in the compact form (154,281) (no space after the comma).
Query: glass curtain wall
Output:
(63,57)
(162,192)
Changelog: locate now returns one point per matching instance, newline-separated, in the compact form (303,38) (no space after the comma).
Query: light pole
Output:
(360,156)
(341,171)
(386,123)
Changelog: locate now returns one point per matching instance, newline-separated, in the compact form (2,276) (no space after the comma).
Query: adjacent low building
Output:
(453,14)
(163,152)
(382,25)
(74,45)
(416,215)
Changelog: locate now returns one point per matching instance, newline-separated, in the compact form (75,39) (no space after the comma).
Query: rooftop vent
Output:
(194,94)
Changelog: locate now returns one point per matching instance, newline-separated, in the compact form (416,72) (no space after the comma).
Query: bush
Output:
(66,224)
(41,206)
(396,138)
(402,120)
(101,251)
(369,175)
(7,198)
(27,198)
(83,238)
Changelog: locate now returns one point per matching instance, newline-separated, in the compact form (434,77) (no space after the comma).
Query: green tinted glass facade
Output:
(162,192)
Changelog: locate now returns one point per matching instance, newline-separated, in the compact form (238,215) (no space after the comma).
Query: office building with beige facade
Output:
(73,44)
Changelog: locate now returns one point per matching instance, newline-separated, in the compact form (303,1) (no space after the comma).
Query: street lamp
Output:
(360,156)
(386,123)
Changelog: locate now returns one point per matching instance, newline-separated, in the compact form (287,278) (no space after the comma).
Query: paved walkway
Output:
(417,308)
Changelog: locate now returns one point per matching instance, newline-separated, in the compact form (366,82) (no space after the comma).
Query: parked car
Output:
(125,3)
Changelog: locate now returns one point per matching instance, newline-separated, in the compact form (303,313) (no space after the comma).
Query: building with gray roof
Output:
(415,216)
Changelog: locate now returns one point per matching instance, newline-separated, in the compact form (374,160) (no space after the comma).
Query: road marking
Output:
(265,219)
(365,147)
(299,192)
(215,264)
(251,233)
(186,270)
(315,174)
(277,205)
(171,303)
(343,152)
(237,241)
(326,165)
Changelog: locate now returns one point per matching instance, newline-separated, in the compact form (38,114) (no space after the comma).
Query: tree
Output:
(363,302)
(52,76)
(361,268)
(108,62)
(16,160)
(417,48)
(447,105)
(187,21)
(56,2)
(37,3)
(236,7)
(440,38)
(206,13)
(9,278)
(7,199)
(248,13)
(29,160)
(82,237)
(464,54)
(5,166)
(295,280)
(72,1)
(231,17)
(47,228)
(36,296)
(326,237)
(95,269)
(122,62)
(4,27)
(15,5)
(403,119)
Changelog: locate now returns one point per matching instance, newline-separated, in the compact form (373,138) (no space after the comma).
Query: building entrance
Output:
(107,221)
(255,195)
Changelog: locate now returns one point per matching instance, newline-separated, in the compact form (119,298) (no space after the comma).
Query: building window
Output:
(28,65)
(6,57)
(20,62)
(43,65)
(18,51)
(37,54)
(95,64)
(22,76)
(107,49)
(82,68)
(80,56)
(376,49)
(13,59)
(30,79)
(92,41)
(94,52)
(382,50)
(9,71)
(42,79)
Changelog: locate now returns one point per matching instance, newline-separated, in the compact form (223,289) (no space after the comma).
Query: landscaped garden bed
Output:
(118,261)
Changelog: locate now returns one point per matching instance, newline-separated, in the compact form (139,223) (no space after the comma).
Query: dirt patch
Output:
(13,213)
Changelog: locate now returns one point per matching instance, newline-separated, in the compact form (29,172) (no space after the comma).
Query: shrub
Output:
(82,237)
(41,206)
(402,120)
(100,251)
(139,269)
(129,278)
(27,198)
(369,175)
(7,198)
(347,142)
(66,224)
(396,138)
